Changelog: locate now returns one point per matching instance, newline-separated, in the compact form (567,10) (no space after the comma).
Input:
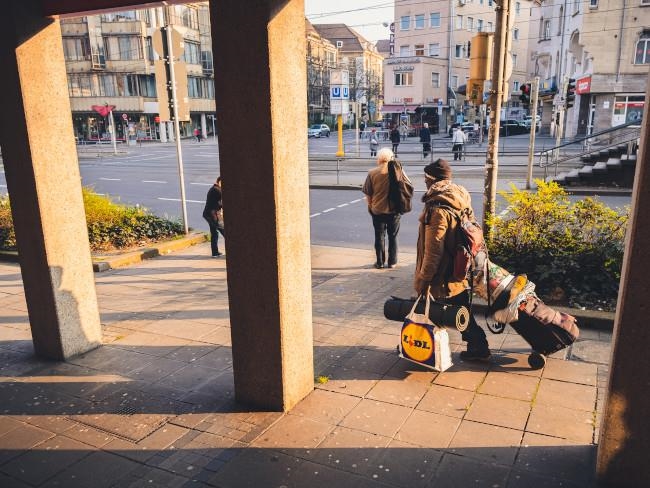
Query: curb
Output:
(335,187)
(104,263)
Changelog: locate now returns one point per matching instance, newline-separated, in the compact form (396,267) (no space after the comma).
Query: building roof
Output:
(383,46)
(351,40)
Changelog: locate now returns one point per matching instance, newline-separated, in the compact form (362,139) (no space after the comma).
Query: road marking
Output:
(178,200)
(314,215)
(153,181)
(357,200)
(3,186)
(328,210)
(110,179)
(342,205)
(202,184)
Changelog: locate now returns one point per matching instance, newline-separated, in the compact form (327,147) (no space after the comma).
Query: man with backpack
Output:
(438,240)
(387,191)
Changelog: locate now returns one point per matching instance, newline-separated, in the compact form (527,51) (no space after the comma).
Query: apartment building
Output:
(426,75)
(110,60)
(605,46)
(364,63)
(321,58)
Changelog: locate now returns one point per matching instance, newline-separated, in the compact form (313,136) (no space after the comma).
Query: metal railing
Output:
(573,151)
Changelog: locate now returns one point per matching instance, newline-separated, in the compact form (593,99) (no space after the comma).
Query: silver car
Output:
(318,130)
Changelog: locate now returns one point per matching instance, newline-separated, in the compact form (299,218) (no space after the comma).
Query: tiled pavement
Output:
(154,406)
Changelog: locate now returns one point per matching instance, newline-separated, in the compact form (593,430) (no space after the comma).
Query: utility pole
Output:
(500,75)
(168,54)
(533,130)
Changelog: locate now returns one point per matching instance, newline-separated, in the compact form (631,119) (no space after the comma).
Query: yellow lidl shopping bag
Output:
(423,342)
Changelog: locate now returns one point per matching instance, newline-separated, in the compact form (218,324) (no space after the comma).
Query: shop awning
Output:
(398,109)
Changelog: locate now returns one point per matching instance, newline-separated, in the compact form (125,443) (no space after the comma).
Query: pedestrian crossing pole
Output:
(339,122)
(533,130)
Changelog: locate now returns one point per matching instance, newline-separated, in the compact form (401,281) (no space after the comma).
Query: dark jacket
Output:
(437,239)
(213,208)
(425,134)
(394,136)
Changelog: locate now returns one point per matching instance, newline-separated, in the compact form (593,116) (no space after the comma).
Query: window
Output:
(560,24)
(434,49)
(459,22)
(200,87)
(419,21)
(404,51)
(111,85)
(515,86)
(459,51)
(192,52)
(514,60)
(517,8)
(76,48)
(642,55)
(515,34)
(479,25)
(594,3)
(435,79)
(403,79)
(435,19)
(454,81)
(489,3)
(490,27)
(547,30)
(470,24)
(405,22)
(419,49)
(125,16)
(206,62)
(123,48)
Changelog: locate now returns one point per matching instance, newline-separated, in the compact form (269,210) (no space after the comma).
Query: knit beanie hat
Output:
(439,169)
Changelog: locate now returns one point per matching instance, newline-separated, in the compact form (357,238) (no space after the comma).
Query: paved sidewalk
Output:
(154,406)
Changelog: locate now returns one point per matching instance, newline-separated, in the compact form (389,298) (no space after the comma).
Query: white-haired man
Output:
(425,139)
(385,219)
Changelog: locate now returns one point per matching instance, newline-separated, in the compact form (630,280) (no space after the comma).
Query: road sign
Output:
(338,107)
(440,102)
(125,117)
(339,92)
(335,92)
(339,77)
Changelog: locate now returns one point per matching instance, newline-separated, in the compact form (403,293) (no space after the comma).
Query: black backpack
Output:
(400,189)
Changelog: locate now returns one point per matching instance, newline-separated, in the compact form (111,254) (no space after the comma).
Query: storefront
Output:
(90,126)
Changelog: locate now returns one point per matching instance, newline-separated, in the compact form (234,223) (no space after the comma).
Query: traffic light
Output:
(525,94)
(364,109)
(570,95)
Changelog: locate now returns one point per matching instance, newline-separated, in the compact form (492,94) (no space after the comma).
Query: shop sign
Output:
(403,68)
(583,85)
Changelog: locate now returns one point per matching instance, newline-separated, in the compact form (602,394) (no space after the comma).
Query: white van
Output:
(528,121)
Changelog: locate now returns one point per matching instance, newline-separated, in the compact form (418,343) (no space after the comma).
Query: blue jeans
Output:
(473,335)
(215,228)
(386,224)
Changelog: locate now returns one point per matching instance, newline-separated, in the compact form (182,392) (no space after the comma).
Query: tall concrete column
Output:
(163,131)
(265,196)
(204,130)
(44,184)
(625,430)
(170,131)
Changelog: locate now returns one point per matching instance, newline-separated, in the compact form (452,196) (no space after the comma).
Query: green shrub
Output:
(110,225)
(573,252)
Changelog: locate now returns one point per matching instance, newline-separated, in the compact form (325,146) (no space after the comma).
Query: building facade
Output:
(364,63)
(110,60)
(604,45)
(321,58)
(427,72)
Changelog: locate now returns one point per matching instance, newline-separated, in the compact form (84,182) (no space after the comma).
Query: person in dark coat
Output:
(425,139)
(213,214)
(394,138)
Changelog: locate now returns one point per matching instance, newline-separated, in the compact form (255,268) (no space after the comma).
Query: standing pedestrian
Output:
(425,139)
(374,143)
(458,139)
(213,214)
(394,138)
(437,236)
(197,134)
(384,219)
(404,131)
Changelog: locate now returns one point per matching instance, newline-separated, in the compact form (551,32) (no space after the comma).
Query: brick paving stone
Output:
(220,336)
(571,371)
(314,475)
(376,417)
(562,459)
(158,369)
(190,352)
(428,429)
(373,361)
(402,461)
(409,371)
(151,477)
(190,377)
(507,385)
(129,450)
(561,422)
(514,343)
(258,468)
(341,380)
(406,393)
(511,362)
(7,424)
(458,377)
(385,342)
(446,401)
(569,395)
(164,437)
(46,460)
(592,351)
(325,406)
(457,471)
(8,482)
(490,443)
(292,432)
(523,479)
(113,360)
(504,412)
(99,469)
(18,440)
(88,435)
(219,359)
(152,344)
(349,450)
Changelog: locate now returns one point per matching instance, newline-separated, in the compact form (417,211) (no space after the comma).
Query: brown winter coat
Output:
(437,239)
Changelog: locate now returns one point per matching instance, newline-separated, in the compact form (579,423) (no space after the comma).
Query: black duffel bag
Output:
(442,314)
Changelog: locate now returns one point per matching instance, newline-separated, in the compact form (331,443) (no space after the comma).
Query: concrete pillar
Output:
(44,184)
(163,131)
(170,132)
(625,430)
(204,130)
(265,196)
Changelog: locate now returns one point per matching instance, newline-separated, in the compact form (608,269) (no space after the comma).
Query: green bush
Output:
(110,225)
(573,252)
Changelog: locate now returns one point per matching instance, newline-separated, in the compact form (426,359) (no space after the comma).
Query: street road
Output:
(148,176)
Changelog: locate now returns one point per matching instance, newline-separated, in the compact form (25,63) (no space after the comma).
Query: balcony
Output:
(75,29)
(124,27)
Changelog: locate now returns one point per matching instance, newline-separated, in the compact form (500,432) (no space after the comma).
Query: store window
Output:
(642,55)
(628,108)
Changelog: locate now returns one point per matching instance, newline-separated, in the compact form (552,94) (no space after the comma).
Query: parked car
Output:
(511,127)
(465,127)
(318,130)
(528,121)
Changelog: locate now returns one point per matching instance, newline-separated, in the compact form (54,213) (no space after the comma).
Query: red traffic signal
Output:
(570,95)
(525,93)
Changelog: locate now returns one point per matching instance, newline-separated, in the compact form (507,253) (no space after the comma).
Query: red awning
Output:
(398,109)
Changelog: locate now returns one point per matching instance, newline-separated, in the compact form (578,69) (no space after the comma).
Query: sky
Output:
(364,16)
